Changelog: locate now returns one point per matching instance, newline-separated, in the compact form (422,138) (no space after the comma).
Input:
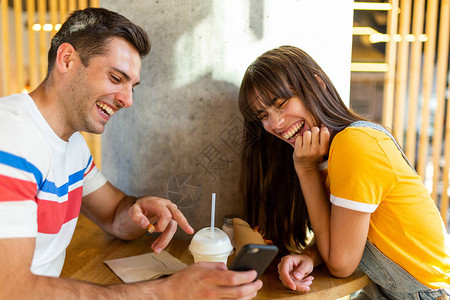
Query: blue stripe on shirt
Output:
(21,163)
(89,162)
(50,186)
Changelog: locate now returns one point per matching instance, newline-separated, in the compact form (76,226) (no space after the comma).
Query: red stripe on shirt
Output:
(52,215)
(90,169)
(13,189)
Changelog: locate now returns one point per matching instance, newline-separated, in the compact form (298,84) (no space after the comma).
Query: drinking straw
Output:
(213,210)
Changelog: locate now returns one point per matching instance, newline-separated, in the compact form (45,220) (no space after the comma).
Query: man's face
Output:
(102,88)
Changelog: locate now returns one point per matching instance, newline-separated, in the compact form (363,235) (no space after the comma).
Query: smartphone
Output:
(254,257)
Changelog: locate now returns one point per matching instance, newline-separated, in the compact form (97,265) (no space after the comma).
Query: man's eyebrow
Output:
(125,75)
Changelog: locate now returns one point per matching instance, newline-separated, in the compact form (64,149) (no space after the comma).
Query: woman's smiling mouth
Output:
(294,131)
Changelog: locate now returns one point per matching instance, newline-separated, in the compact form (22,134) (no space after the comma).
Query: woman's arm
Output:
(340,233)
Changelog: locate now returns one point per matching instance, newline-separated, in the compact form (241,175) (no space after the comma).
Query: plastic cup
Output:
(207,245)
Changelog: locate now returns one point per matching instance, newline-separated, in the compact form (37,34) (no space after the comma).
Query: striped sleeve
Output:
(23,157)
(93,178)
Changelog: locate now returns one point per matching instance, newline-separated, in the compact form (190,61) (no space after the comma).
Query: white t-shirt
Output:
(42,181)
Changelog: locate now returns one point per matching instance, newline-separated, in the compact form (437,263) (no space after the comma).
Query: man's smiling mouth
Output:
(294,131)
(105,109)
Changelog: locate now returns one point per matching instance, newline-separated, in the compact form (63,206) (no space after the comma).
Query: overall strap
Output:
(381,128)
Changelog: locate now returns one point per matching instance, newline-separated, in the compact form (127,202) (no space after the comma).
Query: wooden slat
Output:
(82,4)
(5,47)
(94,3)
(441,78)
(33,67)
(42,8)
(445,172)
(94,143)
(402,71)
(97,150)
(53,14)
(62,11)
(389,82)
(428,68)
(72,6)
(414,78)
(18,24)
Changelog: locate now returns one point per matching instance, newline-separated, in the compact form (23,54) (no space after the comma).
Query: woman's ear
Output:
(322,84)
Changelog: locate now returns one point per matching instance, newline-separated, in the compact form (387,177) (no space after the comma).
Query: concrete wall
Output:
(181,138)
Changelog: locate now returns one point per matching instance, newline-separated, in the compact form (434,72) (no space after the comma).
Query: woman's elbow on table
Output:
(342,268)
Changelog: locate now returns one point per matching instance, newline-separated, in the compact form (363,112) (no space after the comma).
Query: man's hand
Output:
(294,270)
(211,281)
(148,210)
(310,148)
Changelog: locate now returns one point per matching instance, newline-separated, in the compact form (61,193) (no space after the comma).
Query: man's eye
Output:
(115,78)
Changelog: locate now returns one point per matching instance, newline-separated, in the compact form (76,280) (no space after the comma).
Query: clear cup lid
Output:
(205,241)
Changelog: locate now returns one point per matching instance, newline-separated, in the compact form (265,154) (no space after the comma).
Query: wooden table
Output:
(90,247)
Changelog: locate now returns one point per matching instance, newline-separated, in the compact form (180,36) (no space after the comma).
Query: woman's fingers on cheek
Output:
(324,137)
(315,135)
(306,138)
(315,130)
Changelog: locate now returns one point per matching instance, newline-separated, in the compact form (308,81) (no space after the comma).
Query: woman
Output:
(316,164)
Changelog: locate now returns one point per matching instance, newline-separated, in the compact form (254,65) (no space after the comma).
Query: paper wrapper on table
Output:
(145,266)
(244,234)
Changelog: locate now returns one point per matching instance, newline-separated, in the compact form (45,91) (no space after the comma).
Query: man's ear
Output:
(322,84)
(65,57)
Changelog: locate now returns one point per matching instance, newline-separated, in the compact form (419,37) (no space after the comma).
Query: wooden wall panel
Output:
(425,78)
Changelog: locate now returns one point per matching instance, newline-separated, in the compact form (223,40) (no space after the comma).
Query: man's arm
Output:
(127,217)
(108,207)
(199,281)
(17,282)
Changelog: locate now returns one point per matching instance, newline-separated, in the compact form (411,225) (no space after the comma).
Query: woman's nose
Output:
(276,119)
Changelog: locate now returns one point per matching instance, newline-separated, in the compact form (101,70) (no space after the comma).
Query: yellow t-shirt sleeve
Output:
(359,171)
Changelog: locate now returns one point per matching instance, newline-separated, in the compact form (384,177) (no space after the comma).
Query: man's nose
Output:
(125,97)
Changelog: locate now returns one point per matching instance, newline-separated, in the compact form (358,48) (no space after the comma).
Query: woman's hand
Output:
(310,148)
(293,271)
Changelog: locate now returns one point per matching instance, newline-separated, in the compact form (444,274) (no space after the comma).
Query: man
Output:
(47,173)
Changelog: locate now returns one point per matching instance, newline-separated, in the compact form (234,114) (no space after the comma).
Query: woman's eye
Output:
(262,117)
(280,102)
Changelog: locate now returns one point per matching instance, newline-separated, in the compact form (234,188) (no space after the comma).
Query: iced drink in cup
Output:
(207,245)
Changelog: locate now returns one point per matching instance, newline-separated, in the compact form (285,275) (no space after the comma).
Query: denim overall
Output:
(392,281)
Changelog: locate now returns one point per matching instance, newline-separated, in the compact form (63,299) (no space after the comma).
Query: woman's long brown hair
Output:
(268,177)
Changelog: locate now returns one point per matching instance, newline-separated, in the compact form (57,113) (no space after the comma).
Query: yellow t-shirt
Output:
(366,172)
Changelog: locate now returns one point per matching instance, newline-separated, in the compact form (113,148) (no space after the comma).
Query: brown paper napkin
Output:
(244,234)
(145,266)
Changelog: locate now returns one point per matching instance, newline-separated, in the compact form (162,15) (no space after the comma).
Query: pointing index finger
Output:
(178,216)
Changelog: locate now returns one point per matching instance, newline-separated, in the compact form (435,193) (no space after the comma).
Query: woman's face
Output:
(286,119)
